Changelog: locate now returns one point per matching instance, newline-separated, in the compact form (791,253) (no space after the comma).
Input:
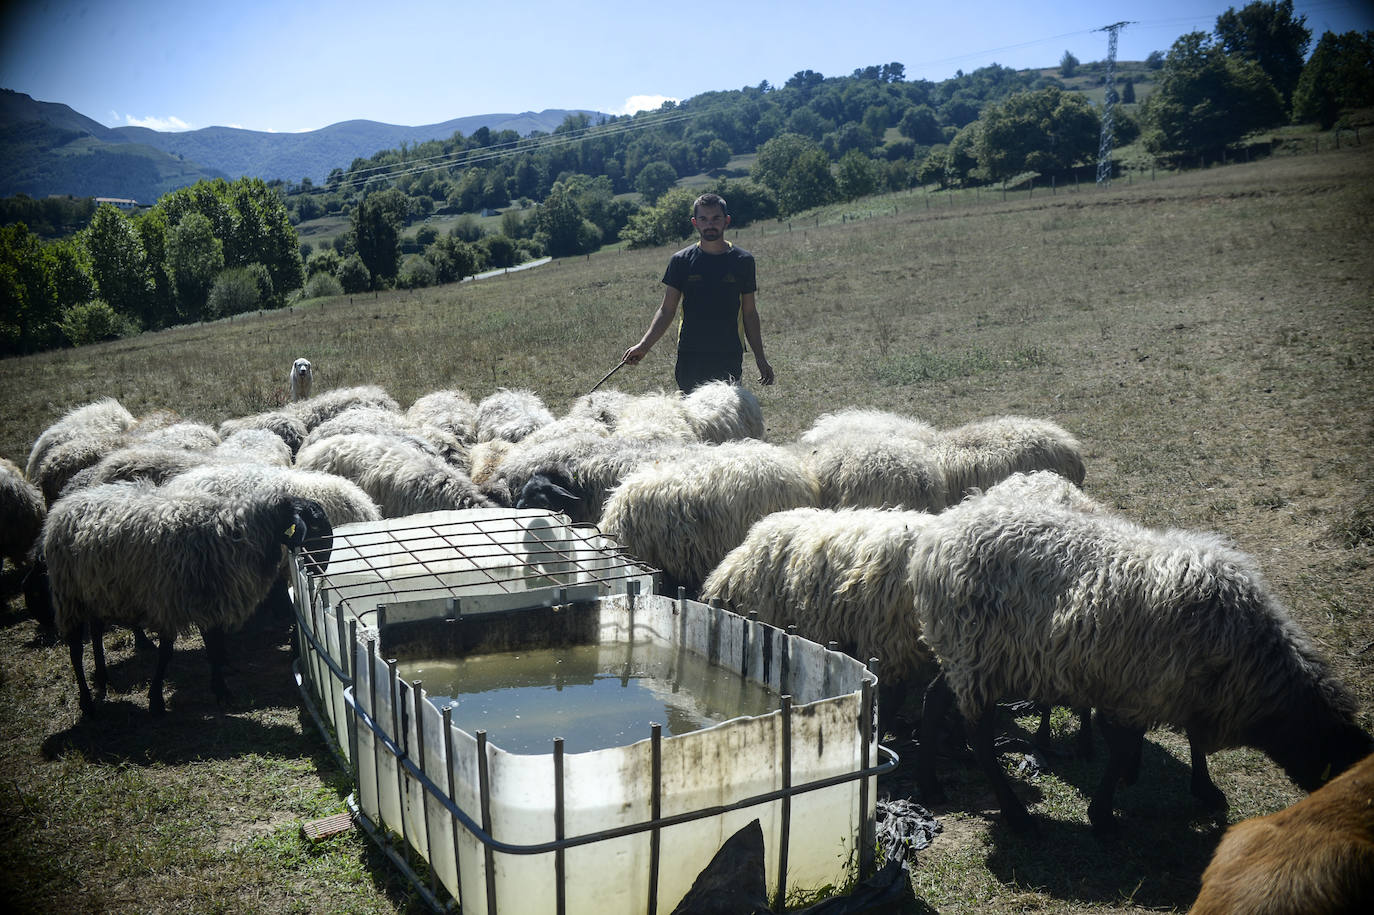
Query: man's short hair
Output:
(710,200)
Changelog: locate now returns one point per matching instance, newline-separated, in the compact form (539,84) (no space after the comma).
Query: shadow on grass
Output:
(262,717)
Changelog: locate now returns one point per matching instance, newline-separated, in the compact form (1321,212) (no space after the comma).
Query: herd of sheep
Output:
(966,559)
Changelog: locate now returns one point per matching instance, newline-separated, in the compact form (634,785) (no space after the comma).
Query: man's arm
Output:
(754,334)
(657,327)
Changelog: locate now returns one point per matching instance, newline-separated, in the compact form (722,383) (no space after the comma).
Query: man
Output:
(714,282)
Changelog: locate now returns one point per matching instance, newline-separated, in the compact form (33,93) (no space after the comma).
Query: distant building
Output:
(124,203)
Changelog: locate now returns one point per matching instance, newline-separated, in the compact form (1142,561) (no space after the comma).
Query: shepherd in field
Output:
(714,282)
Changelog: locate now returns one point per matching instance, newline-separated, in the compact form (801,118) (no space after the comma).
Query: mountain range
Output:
(47,148)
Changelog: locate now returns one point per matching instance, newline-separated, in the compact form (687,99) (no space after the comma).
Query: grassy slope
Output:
(1207,336)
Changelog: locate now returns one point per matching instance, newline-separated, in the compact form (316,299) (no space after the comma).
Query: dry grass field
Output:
(1208,336)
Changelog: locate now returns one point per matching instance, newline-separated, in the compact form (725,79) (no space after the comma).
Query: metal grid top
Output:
(466,554)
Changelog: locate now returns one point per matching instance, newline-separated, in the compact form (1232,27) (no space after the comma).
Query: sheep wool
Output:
(290,429)
(854,420)
(981,453)
(400,478)
(450,410)
(719,411)
(510,415)
(343,501)
(135,554)
(22,512)
(838,575)
(317,409)
(864,470)
(683,514)
(103,418)
(256,445)
(1149,627)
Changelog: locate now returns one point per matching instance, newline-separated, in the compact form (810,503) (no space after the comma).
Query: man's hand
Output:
(765,371)
(634,354)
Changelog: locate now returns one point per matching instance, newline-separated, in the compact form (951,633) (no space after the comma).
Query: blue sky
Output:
(288,65)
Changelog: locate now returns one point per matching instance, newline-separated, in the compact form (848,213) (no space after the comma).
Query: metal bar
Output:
(417,713)
(785,833)
(371,723)
(866,824)
(655,810)
(351,723)
(559,874)
(484,792)
(378,836)
(453,820)
(393,691)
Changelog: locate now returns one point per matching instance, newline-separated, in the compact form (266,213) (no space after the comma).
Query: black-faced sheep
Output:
(1313,858)
(684,513)
(578,481)
(1148,627)
(135,554)
(400,478)
(300,380)
(510,414)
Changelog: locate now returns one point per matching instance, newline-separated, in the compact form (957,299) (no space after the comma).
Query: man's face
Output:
(710,222)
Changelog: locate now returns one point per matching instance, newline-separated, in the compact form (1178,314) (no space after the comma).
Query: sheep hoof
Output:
(1104,824)
(1210,797)
(156,707)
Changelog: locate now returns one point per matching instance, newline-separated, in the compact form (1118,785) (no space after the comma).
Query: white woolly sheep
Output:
(1148,627)
(257,445)
(189,436)
(400,478)
(506,469)
(601,406)
(22,511)
(76,441)
(578,478)
(102,418)
(450,410)
(135,554)
(373,420)
(510,414)
(321,407)
(684,513)
(155,464)
(719,411)
(290,429)
(865,470)
(1314,858)
(343,501)
(855,420)
(839,576)
(301,378)
(979,454)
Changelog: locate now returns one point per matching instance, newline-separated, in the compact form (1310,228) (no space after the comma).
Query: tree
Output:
(856,176)
(1068,65)
(669,220)
(1339,76)
(1268,34)
(377,234)
(239,289)
(118,262)
(1048,130)
(716,156)
(194,258)
(776,157)
(562,229)
(1206,100)
(918,123)
(1128,91)
(453,259)
(654,179)
(353,275)
(808,183)
(28,307)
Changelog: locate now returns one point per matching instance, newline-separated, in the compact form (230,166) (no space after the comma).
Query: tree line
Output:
(218,247)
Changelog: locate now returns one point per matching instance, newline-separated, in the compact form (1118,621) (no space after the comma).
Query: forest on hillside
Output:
(218,248)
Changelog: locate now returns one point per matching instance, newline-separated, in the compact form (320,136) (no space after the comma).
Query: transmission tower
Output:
(1104,146)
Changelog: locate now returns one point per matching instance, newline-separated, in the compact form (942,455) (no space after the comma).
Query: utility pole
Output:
(1104,146)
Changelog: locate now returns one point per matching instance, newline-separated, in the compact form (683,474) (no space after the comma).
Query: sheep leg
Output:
(935,710)
(217,647)
(1123,756)
(141,640)
(76,645)
(100,676)
(165,641)
(1085,734)
(1203,788)
(1013,811)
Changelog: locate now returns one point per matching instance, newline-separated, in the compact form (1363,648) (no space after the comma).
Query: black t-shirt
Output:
(711,286)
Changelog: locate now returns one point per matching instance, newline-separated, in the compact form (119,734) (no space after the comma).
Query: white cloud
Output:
(644,103)
(172,123)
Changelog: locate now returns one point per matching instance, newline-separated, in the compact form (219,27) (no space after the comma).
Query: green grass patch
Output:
(928,365)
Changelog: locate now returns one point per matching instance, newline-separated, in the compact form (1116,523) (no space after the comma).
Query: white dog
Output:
(301,377)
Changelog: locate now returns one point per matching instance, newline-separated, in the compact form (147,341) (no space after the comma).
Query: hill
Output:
(312,154)
(47,148)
